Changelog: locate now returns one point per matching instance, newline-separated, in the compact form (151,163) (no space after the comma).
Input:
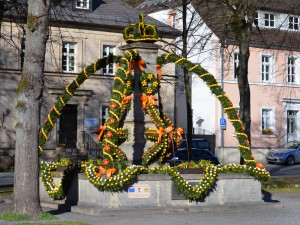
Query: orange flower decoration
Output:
(259,165)
(105,162)
(107,147)
(109,134)
(112,106)
(111,121)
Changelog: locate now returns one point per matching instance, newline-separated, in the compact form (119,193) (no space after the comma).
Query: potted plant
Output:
(193,167)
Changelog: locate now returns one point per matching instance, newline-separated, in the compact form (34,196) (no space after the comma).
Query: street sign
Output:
(223,123)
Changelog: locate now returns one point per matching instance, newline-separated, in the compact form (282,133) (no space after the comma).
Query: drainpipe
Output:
(222,86)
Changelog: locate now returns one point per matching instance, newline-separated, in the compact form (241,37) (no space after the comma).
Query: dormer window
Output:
(269,20)
(82,4)
(293,23)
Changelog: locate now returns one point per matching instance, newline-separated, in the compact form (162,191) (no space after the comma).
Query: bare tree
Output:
(29,95)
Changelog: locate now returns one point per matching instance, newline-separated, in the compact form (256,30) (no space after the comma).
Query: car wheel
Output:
(290,160)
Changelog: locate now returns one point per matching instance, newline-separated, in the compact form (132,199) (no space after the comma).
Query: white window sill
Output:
(268,135)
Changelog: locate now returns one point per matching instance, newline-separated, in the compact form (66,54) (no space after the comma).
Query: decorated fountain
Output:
(113,181)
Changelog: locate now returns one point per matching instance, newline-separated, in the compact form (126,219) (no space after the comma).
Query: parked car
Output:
(199,143)
(288,154)
(181,155)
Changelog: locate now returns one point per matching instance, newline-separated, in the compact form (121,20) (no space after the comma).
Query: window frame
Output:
(293,23)
(288,117)
(291,67)
(271,66)
(267,126)
(235,64)
(82,2)
(110,65)
(68,57)
(268,21)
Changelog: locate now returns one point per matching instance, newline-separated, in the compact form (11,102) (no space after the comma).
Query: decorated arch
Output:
(114,173)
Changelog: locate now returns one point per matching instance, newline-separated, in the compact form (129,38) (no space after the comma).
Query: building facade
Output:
(273,73)
(81,32)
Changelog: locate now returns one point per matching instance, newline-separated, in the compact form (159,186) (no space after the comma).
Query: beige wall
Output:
(91,95)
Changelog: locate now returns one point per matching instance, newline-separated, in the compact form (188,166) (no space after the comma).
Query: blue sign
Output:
(223,123)
(131,189)
(90,122)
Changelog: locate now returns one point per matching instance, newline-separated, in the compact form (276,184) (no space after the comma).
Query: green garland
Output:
(217,90)
(66,96)
(149,83)
(163,136)
(57,192)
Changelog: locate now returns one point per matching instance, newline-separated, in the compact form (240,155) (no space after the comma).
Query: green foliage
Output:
(12,216)
(46,216)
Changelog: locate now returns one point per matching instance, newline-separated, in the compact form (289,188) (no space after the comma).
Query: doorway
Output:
(68,127)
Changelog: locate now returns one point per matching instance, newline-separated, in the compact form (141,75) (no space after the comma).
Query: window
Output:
(267,68)
(236,64)
(269,20)
(82,4)
(68,57)
(109,69)
(291,121)
(104,113)
(293,23)
(22,52)
(267,121)
(291,70)
(256,19)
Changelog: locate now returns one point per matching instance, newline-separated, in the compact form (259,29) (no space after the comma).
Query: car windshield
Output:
(291,145)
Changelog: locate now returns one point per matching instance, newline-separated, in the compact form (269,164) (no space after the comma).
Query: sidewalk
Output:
(230,214)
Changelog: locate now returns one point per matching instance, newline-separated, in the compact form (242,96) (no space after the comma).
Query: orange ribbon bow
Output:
(159,72)
(160,132)
(140,63)
(101,130)
(144,101)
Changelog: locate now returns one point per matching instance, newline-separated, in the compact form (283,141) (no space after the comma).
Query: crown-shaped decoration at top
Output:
(140,32)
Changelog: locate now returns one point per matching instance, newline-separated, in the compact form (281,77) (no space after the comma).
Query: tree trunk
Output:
(29,95)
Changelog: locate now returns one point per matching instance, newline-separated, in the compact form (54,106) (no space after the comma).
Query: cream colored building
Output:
(81,33)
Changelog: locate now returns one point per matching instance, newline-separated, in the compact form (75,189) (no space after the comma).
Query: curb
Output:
(92,210)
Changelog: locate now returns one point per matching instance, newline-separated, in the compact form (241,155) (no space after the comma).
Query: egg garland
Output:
(217,90)
(163,135)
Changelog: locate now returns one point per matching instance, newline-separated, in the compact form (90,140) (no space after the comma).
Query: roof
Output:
(112,15)
(151,6)
(215,18)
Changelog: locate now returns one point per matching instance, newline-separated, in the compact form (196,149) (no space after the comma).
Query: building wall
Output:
(89,98)
(277,95)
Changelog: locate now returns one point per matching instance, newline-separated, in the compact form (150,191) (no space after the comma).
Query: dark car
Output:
(199,143)
(181,155)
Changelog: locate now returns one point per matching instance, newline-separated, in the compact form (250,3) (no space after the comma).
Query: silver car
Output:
(288,154)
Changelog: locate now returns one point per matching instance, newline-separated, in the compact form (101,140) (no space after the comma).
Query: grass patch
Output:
(288,190)
(46,216)
(12,216)
(56,223)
